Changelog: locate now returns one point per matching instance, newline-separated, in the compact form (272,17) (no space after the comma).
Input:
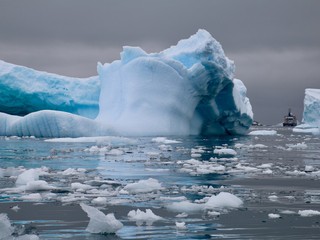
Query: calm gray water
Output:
(276,174)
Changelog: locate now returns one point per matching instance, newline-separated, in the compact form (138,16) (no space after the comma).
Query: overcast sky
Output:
(275,43)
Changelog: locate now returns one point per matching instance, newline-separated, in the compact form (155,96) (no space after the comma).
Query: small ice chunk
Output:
(195,155)
(273,198)
(27,176)
(140,217)
(185,207)
(308,213)
(70,171)
(99,201)
(99,222)
(273,215)
(32,197)
(213,213)
(15,208)
(181,225)
(39,185)
(298,146)
(308,168)
(143,186)
(164,140)
(225,151)
(265,165)
(115,152)
(223,200)
(79,186)
(5,226)
(267,171)
(263,132)
(182,215)
(288,212)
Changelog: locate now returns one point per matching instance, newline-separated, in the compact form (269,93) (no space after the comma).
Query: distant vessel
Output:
(290,120)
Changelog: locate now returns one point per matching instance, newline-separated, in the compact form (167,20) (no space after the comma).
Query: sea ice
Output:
(99,201)
(185,207)
(273,215)
(308,213)
(99,222)
(140,217)
(143,186)
(38,185)
(5,227)
(181,225)
(223,200)
(225,151)
(187,89)
(27,176)
(263,132)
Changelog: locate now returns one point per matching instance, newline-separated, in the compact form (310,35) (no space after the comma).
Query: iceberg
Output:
(311,112)
(187,89)
(24,90)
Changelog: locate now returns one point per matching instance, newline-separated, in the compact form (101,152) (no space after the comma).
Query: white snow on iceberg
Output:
(186,89)
(311,112)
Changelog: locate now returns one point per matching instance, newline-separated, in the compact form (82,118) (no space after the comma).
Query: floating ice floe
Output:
(225,152)
(302,145)
(181,225)
(140,217)
(223,200)
(7,231)
(143,186)
(273,216)
(99,222)
(308,213)
(263,133)
(164,140)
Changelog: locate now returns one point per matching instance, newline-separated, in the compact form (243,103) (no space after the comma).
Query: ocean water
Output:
(272,174)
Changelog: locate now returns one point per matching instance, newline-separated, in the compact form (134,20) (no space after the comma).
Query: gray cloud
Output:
(275,43)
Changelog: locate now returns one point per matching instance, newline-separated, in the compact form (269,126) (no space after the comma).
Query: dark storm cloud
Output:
(275,43)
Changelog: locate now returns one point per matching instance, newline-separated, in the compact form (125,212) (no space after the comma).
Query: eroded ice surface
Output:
(186,89)
(24,90)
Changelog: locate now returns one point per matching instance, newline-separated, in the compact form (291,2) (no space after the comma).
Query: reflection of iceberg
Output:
(24,90)
(186,89)
(311,112)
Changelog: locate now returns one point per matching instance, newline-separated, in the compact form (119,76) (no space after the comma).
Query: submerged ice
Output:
(186,89)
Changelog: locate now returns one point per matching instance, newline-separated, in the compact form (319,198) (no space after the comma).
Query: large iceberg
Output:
(311,112)
(187,89)
(24,90)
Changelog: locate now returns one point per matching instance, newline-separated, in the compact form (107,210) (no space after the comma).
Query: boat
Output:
(290,120)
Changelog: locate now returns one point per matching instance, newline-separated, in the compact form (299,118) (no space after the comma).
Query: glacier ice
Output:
(311,112)
(186,89)
(24,90)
